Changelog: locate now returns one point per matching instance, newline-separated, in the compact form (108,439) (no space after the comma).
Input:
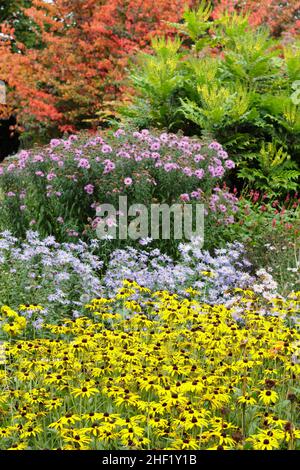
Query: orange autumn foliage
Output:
(80,68)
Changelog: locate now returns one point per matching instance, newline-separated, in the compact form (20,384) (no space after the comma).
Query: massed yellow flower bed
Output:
(158,372)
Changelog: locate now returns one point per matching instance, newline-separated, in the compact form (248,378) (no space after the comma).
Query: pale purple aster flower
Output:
(55,143)
(84,163)
(89,189)
(199,173)
(106,149)
(128,181)
(229,164)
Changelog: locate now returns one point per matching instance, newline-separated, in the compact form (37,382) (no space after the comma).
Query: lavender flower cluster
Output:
(168,151)
(64,277)
(214,276)
(60,277)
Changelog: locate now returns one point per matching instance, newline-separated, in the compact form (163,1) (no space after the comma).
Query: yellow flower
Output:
(208,273)
(30,429)
(77,437)
(188,443)
(32,307)
(268,397)
(85,391)
(8,312)
(247,400)
(264,442)
(6,432)
(170,378)
(127,399)
(21,445)
(68,420)
(53,404)
(15,328)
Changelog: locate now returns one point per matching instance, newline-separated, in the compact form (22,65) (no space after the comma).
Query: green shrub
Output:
(270,232)
(228,80)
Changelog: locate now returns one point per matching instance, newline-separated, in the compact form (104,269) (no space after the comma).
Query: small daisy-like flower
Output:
(128,181)
(268,397)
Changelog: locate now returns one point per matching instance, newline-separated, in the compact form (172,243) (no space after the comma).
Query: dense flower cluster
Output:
(64,276)
(145,336)
(212,275)
(60,276)
(71,178)
(169,152)
(164,373)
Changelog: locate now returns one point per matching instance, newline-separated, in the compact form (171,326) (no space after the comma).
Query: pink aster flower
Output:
(119,132)
(51,176)
(229,164)
(222,208)
(215,146)
(55,143)
(187,171)
(38,158)
(89,189)
(155,146)
(128,181)
(198,158)
(199,173)
(84,163)
(111,222)
(184,197)
(106,149)
(222,154)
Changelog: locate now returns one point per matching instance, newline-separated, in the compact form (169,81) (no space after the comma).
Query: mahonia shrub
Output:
(57,190)
(230,80)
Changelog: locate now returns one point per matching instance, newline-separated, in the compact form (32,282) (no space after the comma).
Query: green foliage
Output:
(217,105)
(273,170)
(230,81)
(195,22)
(269,230)
(25,30)
(159,82)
